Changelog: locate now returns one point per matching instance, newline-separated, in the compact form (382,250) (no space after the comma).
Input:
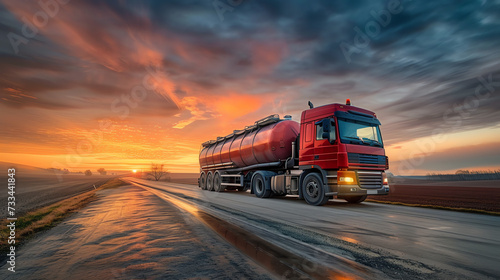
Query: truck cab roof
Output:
(330,109)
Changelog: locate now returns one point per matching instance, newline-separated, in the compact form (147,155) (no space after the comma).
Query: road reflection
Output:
(281,262)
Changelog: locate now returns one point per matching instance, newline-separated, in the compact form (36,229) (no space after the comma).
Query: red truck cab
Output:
(344,142)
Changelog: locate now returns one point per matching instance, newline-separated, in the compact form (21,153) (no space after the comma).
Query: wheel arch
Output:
(217,187)
(201,184)
(267,178)
(202,173)
(322,173)
(209,180)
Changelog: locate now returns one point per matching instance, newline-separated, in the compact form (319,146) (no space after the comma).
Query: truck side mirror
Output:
(327,125)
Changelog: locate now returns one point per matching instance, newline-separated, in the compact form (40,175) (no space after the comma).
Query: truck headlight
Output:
(346,178)
(385,181)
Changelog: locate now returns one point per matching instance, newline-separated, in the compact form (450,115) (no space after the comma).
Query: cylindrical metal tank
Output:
(263,144)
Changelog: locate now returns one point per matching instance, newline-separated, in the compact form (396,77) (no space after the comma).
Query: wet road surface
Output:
(129,233)
(400,241)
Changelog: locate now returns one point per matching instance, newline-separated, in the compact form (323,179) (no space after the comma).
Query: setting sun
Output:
(134,171)
(155,98)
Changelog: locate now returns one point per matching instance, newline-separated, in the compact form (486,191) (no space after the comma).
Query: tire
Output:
(203,181)
(217,182)
(259,186)
(355,199)
(210,181)
(313,191)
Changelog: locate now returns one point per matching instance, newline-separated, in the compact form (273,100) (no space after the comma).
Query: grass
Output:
(49,216)
(468,210)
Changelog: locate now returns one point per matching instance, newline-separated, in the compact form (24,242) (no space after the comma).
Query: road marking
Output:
(438,228)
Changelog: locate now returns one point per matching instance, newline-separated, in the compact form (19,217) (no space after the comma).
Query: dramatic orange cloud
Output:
(236,105)
(120,85)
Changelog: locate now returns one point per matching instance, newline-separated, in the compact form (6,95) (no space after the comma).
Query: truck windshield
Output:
(360,133)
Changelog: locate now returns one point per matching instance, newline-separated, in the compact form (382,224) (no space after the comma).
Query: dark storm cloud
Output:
(460,158)
(441,45)
(456,106)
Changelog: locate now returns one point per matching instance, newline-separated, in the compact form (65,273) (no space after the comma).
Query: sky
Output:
(122,84)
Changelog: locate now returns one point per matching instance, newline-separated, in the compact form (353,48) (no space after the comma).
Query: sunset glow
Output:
(119,87)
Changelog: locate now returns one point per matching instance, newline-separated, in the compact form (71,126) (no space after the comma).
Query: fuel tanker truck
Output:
(335,151)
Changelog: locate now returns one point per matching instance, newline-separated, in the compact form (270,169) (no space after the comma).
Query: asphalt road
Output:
(401,242)
(130,233)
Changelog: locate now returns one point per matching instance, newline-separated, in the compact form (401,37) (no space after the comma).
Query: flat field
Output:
(478,195)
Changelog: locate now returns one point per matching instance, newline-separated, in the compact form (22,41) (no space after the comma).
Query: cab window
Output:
(319,132)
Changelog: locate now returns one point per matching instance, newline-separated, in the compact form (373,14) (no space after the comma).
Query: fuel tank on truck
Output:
(269,140)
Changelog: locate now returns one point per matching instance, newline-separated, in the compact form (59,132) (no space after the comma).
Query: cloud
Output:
(460,158)
(265,57)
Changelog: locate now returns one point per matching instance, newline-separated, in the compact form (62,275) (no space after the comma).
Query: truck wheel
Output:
(355,199)
(312,190)
(203,181)
(259,187)
(218,187)
(210,181)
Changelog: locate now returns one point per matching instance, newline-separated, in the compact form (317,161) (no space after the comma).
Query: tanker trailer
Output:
(336,151)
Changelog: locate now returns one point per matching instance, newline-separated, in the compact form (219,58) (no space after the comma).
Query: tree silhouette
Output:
(102,171)
(88,173)
(157,171)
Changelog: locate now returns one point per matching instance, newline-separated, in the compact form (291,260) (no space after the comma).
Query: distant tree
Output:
(88,173)
(157,171)
(58,170)
(102,171)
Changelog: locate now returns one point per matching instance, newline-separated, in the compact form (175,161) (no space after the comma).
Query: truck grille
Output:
(366,159)
(370,179)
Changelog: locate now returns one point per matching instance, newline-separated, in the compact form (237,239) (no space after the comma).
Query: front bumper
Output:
(355,190)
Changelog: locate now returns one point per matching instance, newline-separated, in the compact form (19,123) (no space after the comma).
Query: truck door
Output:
(325,144)
(306,152)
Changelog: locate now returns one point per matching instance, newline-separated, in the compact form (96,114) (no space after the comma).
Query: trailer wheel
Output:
(210,181)
(259,186)
(218,187)
(355,199)
(203,181)
(312,190)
